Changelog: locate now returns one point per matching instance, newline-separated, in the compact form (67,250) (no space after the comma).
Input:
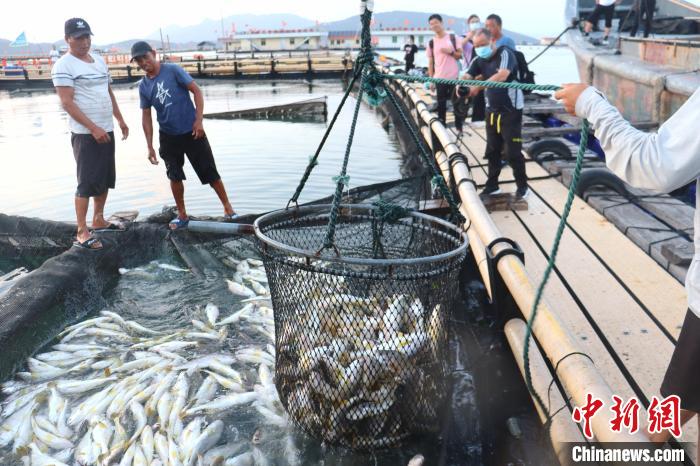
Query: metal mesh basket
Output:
(361,331)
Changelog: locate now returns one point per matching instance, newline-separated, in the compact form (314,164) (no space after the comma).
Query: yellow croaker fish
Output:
(116,392)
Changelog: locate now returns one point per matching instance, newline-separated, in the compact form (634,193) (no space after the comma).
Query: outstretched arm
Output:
(659,162)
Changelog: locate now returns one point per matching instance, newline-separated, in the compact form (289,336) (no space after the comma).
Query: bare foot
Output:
(99,223)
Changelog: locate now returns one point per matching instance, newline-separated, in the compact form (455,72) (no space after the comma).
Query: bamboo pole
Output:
(563,429)
(577,373)
(476,247)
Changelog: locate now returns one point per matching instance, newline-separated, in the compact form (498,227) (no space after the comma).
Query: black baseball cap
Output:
(77,27)
(140,49)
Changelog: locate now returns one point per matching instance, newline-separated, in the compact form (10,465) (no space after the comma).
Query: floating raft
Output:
(611,299)
(307,66)
(312,109)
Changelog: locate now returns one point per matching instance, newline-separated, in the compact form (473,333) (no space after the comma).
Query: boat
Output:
(305,110)
(646,79)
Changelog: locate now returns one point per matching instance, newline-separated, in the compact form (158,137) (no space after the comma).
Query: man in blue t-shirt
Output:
(166,87)
(494,24)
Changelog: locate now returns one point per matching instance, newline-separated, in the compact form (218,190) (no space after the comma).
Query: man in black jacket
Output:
(504,111)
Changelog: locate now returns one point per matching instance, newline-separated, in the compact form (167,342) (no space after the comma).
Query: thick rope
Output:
(471,82)
(553,43)
(428,160)
(313,161)
(550,266)
(343,177)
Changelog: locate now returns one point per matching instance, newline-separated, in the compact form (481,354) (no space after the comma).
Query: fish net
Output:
(361,329)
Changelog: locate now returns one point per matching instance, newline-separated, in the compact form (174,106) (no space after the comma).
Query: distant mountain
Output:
(122,46)
(413,19)
(186,37)
(210,29)
(31,49)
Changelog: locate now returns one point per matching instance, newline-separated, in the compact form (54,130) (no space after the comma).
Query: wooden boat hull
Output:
(646,79)
(307,110)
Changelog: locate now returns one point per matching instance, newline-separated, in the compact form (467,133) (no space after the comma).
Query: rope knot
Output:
(374,89)
(389,212)
(342,179)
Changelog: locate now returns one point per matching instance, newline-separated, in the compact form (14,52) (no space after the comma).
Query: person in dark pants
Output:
(478,103)
(604,8)
(410,50)
(82,83)
(443,56)
(504,111)
(646,9)
(166,87)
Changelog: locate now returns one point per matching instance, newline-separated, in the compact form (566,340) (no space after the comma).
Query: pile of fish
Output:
(365,372)
(114,392)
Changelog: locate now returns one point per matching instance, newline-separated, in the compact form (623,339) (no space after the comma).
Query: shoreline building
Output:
(396,38)
(276,40)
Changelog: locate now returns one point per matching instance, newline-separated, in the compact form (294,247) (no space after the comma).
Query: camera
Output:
(463,91)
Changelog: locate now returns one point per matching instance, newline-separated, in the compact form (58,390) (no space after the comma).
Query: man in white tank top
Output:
(82,82)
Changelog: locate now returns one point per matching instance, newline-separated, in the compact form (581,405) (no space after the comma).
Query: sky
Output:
(115,21)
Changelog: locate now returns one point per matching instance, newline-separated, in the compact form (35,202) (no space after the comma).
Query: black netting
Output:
(361,338)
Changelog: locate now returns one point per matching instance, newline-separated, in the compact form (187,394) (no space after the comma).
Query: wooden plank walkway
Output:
(626,310)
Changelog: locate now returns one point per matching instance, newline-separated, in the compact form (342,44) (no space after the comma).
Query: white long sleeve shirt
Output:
(659,162)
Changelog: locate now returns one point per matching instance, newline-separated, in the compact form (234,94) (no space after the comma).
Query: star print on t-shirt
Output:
(162,93)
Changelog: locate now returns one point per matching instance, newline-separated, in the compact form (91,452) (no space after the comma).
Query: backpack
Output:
(431,44)
(522,73)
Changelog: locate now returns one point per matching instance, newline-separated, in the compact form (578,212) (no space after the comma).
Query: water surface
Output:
(260,162)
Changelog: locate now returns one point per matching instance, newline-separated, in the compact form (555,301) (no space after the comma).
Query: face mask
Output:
(475,26)
(484,52)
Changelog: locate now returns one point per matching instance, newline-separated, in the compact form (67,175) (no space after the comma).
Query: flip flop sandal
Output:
(178,224)
(110,227)
(231,218)
(89,244)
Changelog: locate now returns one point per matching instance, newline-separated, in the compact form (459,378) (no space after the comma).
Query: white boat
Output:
(647,79)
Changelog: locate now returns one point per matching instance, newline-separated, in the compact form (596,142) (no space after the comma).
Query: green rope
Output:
(388,211)
(313,161)
(382,213)
(551,262)
(341,179)
(471,82)
(437,179)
